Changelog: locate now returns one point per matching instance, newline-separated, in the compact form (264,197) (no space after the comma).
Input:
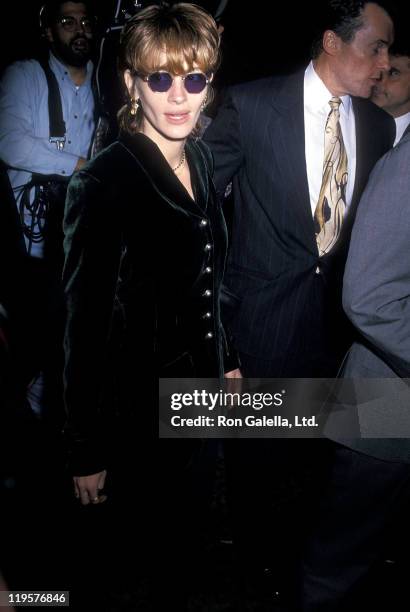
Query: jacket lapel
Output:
(149,158)
(199,174)
(287,129)
(365,159)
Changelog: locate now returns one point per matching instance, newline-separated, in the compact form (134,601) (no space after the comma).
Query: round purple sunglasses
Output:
(194,82)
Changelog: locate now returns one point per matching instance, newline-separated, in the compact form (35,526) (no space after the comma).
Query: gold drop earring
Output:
(135,104)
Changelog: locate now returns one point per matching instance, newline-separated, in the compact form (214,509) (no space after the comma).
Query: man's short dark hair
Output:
(344,17)
(50,10)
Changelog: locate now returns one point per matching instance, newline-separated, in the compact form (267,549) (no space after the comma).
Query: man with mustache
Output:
(38,167)
(69,31)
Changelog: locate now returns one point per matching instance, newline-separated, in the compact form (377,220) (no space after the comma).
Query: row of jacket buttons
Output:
(208,270)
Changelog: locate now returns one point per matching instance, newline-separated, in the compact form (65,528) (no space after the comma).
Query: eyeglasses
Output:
(70,24)
(194,82)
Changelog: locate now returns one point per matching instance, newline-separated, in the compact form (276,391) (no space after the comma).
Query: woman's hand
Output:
(233,374)
(234,385)
(87,488)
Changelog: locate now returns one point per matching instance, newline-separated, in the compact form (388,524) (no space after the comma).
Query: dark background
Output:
(261,36)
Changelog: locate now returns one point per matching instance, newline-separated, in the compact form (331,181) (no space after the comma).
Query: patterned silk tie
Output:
(331,206)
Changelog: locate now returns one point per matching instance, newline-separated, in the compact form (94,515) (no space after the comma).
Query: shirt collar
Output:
(317,95)
(403,120)
(61,71)
(401,124)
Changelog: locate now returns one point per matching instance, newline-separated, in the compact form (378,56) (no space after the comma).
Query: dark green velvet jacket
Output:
(142,276)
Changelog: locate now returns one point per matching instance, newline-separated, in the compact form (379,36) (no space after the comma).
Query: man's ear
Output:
(48,34)
(331,42)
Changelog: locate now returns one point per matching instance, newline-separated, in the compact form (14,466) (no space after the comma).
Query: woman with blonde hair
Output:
(145,244)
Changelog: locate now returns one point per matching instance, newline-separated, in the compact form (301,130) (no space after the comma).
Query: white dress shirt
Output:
(316,110)
(401,125)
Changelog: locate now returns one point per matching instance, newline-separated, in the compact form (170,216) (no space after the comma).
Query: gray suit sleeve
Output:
(376,291)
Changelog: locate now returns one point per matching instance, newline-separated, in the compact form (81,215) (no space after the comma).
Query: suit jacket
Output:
(376,299)
(281,309)
(144,265)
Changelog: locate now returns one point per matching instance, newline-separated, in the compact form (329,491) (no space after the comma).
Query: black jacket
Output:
(144,266)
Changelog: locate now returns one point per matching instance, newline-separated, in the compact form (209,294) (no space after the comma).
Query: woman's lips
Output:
(177,118)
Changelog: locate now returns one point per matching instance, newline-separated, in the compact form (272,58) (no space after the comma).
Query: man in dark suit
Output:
(268,136)
(299,150)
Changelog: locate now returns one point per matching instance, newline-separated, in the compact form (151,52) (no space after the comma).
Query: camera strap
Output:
(55,110)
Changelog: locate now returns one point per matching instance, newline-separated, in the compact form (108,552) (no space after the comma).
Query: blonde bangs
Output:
(180,58)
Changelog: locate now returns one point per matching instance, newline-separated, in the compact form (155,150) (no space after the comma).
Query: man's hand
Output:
(87,488)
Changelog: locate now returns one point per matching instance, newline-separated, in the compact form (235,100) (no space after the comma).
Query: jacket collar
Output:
(406,132)
(154,165)
(289,93)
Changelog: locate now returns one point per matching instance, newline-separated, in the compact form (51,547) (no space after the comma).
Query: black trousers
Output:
(273,488)
(363,496)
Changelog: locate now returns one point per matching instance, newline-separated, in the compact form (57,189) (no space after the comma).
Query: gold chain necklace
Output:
(181,161)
